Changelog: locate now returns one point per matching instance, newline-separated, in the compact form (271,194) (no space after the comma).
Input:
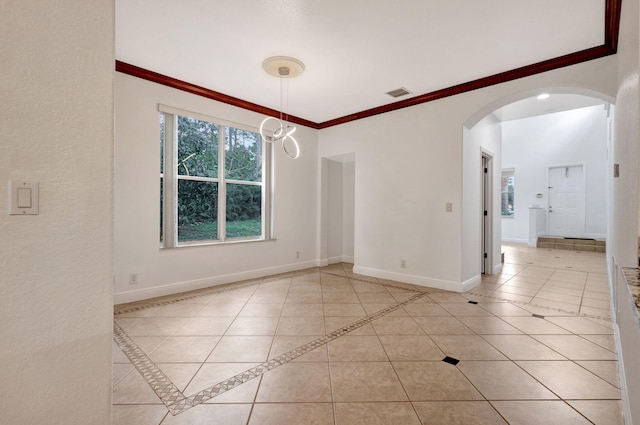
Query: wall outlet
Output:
(133,279)
(403,264)
(449,207)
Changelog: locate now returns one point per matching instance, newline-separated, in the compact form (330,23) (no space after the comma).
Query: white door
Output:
(486,214)
(566,201)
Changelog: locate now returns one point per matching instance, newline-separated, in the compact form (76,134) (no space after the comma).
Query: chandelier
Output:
(284,68)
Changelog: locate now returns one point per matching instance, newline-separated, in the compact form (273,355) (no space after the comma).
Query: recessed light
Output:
(543,96)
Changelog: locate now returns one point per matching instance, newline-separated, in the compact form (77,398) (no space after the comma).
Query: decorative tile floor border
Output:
(180,406)
(176,402)
(159,382)
(162,301)
(559,310)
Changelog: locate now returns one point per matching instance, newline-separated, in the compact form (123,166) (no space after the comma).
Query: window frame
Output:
(170,177)
(508,172)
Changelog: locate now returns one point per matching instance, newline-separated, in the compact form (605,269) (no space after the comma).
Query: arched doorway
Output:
(484,134)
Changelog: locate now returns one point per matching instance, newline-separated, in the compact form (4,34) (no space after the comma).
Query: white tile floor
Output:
(325,346)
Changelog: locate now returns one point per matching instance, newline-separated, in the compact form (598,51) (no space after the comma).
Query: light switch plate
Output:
(23,197)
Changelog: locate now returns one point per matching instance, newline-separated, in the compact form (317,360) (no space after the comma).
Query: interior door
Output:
(566,212)
(487,233)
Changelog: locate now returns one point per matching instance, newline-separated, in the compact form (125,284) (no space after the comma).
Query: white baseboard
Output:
(498,268)
(516,240)
(340,259)
(417,280)
(190,285)
(624,394)
(470,283)
(595,235)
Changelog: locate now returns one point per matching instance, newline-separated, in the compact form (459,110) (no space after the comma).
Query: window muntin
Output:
(507,189)
(202,202)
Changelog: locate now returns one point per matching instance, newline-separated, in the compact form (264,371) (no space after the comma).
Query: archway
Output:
(483,133)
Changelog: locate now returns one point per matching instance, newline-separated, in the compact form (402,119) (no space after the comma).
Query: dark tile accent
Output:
(538,316)
(451,360)
(176,402)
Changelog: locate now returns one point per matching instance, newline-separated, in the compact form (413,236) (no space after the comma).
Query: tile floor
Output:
(533,345)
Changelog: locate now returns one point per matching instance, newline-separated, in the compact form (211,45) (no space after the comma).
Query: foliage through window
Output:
(507,191)
(215,186)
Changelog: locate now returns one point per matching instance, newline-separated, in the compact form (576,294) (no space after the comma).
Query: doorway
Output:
(566,209)
(338,208)
(487,232)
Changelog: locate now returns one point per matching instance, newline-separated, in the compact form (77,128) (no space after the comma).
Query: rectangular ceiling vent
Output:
(398,92)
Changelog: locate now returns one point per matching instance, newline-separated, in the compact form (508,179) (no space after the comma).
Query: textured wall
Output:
(623,230)
(410,164)
(137,201)
(56,112)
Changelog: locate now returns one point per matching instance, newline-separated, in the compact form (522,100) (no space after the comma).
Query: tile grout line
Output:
(239,285)
(157,380)
(208,393)
(174,399)
(559,310)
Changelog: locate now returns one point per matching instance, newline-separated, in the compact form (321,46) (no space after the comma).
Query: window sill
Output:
(217,243)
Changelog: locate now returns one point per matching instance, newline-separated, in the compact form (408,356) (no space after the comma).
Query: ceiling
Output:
(354,51)
(556,102)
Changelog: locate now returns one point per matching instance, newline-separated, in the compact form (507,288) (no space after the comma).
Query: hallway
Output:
(531,345)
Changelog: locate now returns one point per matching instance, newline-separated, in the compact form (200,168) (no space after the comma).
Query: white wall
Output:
(624,209)
(530,145)
(485,137)
(409,165)
(348,211)
(335,208)
(137,220)
(340,209)
(56,267)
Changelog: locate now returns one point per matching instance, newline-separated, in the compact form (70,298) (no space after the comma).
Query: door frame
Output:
(486,211)
(584,195)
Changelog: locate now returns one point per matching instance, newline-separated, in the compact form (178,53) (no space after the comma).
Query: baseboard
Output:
(415,280)
(190,285)
(340,259)
(595,235)
(624,395)
(516,240)
(498,268)
(470,283)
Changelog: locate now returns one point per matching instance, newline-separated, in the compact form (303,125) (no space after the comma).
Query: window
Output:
(506,189)
(215,186)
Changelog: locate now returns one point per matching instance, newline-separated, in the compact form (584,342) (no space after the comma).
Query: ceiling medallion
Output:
(282,67)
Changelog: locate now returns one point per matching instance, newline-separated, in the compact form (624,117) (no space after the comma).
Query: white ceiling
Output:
(354,50)
(557,102)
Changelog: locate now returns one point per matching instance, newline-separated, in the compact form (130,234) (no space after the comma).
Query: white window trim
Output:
(170,182)
(506,172)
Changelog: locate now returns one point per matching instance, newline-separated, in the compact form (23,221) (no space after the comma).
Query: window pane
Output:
(197,210)
(161,143)
(161,175)
(197,148)
(161,209)
(243,155)
(244,210)
(507,192)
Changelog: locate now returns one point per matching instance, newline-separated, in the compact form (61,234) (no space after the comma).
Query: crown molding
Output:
(610,47)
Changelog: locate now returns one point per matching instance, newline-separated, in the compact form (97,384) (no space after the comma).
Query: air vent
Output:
(398,92)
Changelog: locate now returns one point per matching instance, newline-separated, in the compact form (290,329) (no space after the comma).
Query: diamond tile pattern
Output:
(367,350)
